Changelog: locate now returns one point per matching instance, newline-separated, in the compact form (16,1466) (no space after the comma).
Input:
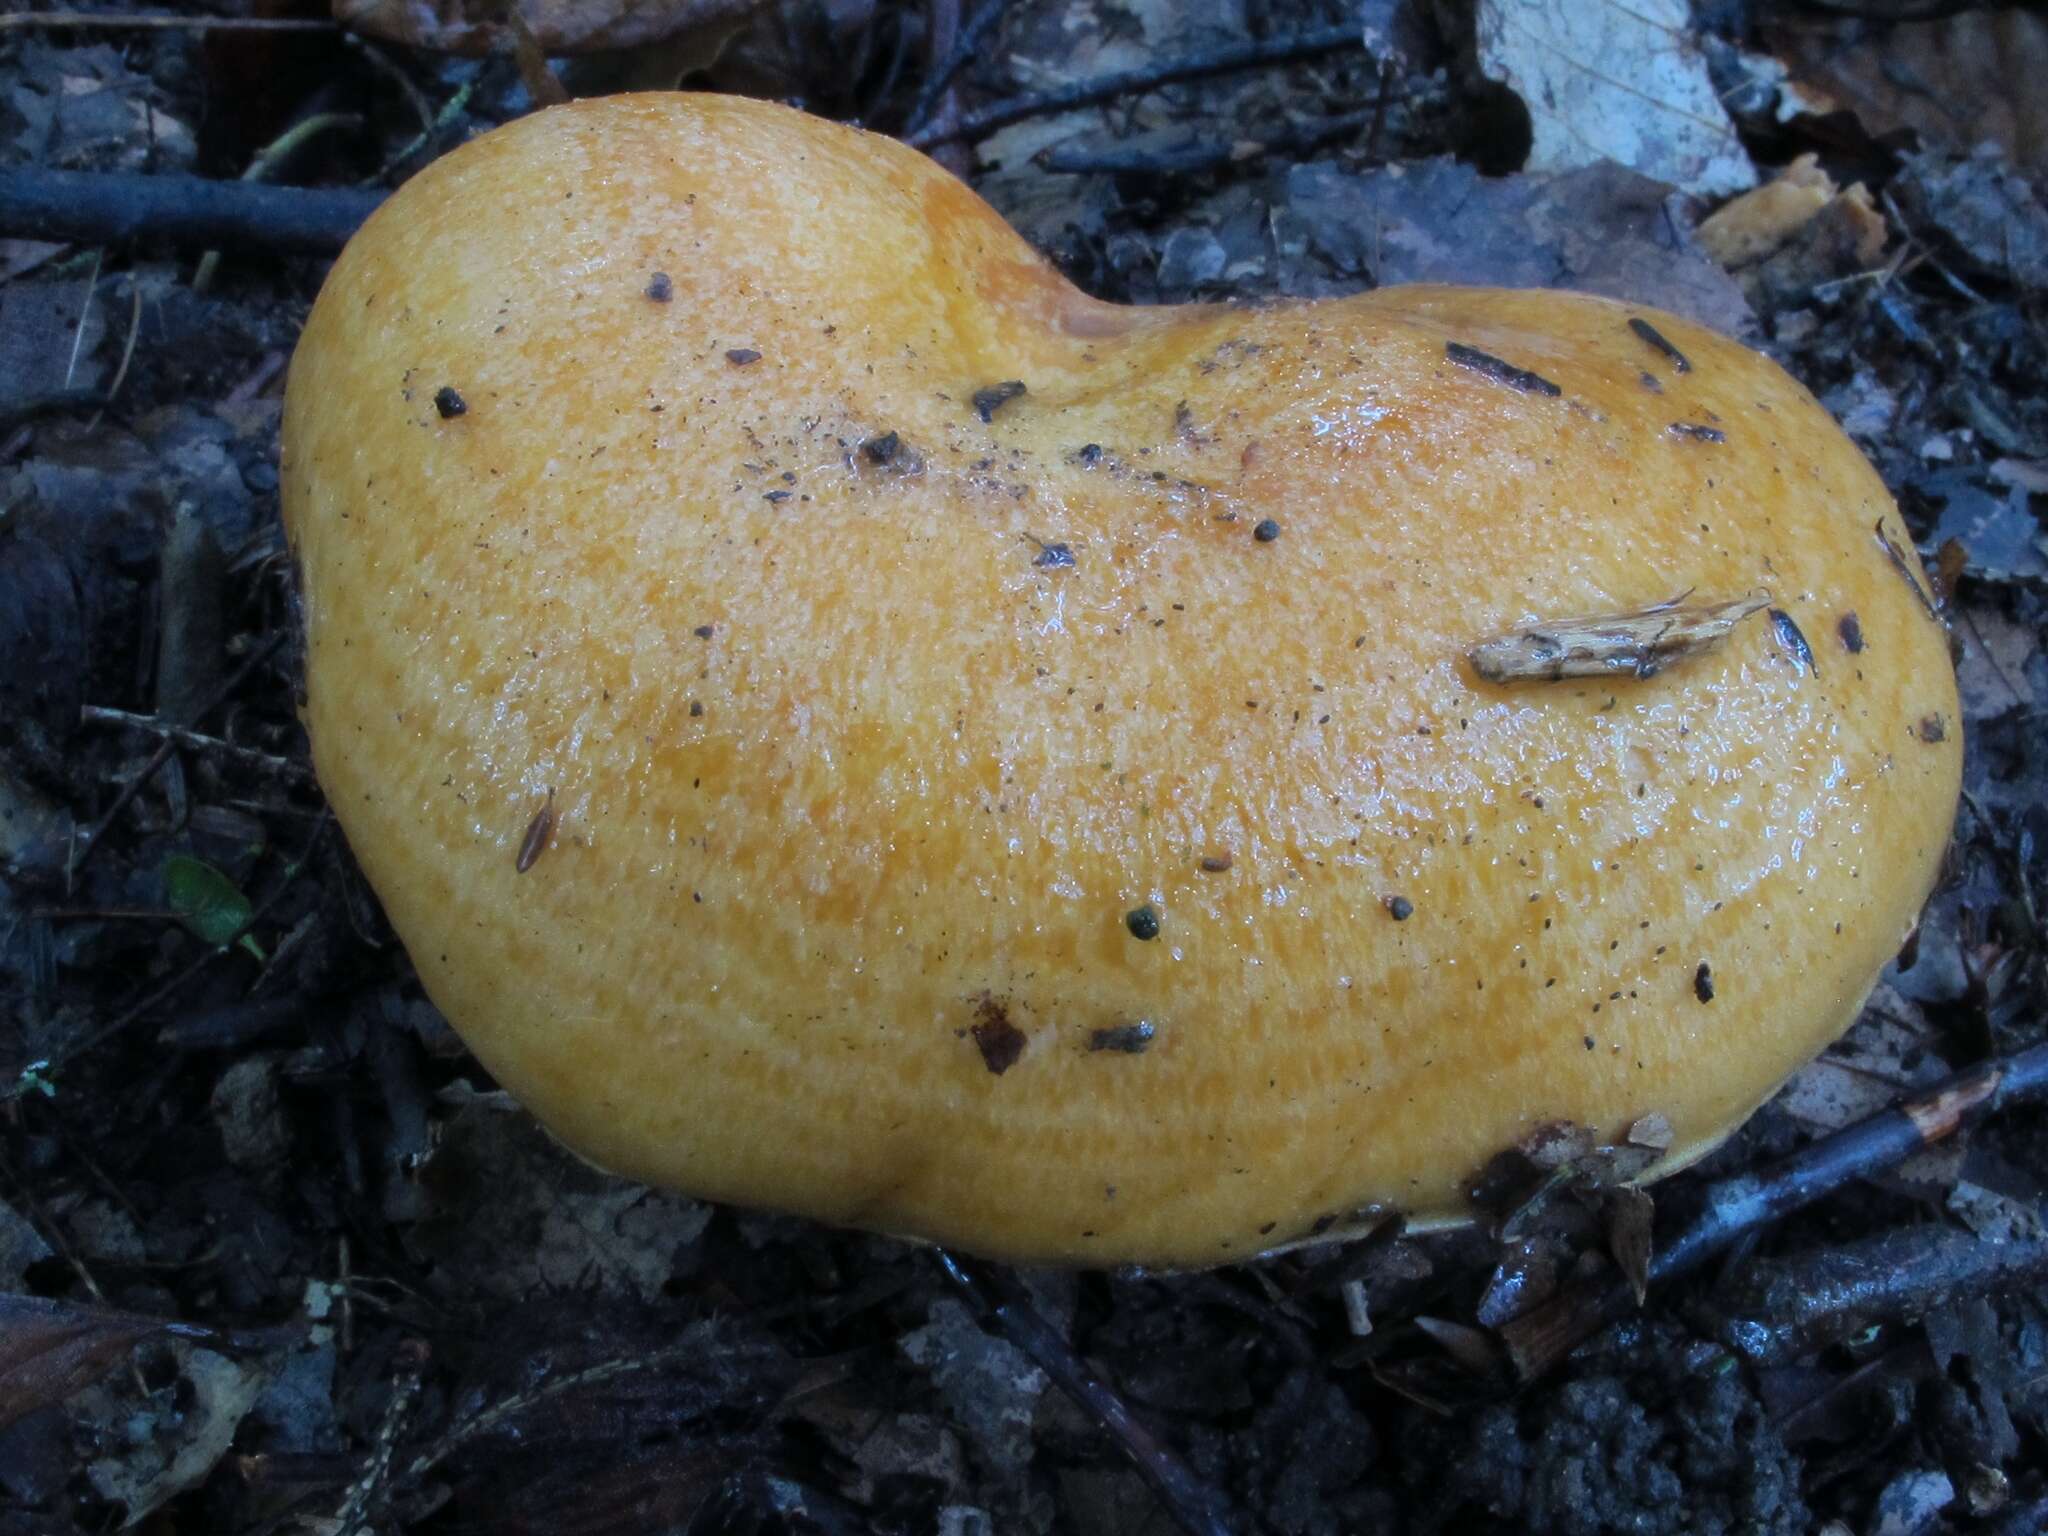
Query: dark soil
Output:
(225,1103)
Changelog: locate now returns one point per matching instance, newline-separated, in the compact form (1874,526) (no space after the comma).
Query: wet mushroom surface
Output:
(779,824)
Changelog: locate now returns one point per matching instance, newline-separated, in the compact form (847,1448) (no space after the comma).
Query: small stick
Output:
(1082,93)
(971,35)
(999,1299)
(162,754)
(104,208)
(1732,1207)
(283,767)
(268,162)
(97,21)
(1784,1308)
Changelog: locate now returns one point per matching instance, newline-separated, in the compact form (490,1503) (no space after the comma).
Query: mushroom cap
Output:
(766,759)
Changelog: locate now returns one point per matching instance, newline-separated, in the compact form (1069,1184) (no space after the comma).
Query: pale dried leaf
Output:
(1638,644)
(1608,81)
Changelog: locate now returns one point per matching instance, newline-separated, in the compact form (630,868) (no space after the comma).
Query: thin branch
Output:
(1082,93)
(970,41)
(283,767)
(98,21)
(1734,1207)
(1784,1308)
(998,1298)
(162,754)
(104,208)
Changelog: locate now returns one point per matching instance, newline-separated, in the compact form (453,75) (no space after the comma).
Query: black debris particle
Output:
(1132,1039)
(1267,531)
(776,496)
(1850,628)
(702,631)
(739,357)
(1794,640)
(660,289)
(1215,863)
(1650,382)
(535,842)
(449,402)
(1088,455)
(1703,983)
(1657,340)
(991,398)
(1499,370)
(1000,1042)
(696,710)
(882,449)
(1698,433)
(1400,908)
(1053,557)
(1933,728)
(1143,923)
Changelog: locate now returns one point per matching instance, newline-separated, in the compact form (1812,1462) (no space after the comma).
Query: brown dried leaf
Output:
(1637,644)
(558,26)
(49,1350)
(1629,1214)
(1959,79)
(1469,1346)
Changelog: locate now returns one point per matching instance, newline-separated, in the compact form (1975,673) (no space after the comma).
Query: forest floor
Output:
(276,1255)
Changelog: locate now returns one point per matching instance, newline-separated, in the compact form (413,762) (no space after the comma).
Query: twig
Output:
(162,754)
(127,350)
(453,108)
(969,43)
(1788,1307)
(484,1420)
(1220,61)
(107,207)
(269,160)
(1203,153)
(283,767)
(349,1519)
(998,1297)
(61,21)
(92,284)
(1732,1207)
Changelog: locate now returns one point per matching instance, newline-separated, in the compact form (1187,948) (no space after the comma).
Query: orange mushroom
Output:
(1079,783)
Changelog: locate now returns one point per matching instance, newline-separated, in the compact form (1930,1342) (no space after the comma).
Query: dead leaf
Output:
(1638,644)
(1959,79)
(1629,1216)
(49,1350)
(558,26)
(1613,82)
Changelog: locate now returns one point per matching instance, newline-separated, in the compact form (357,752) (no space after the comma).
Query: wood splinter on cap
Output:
(1638,644)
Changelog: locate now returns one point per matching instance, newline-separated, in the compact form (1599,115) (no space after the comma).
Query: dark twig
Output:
(1748,1202)
(968,44)
(1784,1308)
(105,208)
(1220,61)
(1197,152)
(283,767)
(162,754)
(997,1296)
(103,21)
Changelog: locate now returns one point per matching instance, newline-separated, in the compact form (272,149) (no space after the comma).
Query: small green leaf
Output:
(207,902)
